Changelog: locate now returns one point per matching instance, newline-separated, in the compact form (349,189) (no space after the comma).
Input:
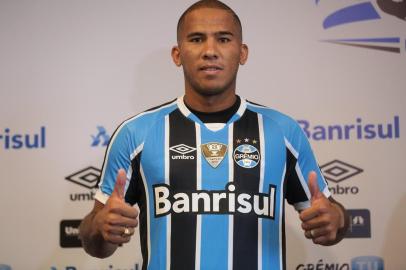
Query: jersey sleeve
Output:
(300,162)
(118,156)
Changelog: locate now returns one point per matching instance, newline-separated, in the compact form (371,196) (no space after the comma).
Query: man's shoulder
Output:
(149,116)
(291,129)
(138,126)
(282,119)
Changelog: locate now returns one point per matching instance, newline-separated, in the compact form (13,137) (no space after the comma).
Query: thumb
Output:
(314,186)
(120,184)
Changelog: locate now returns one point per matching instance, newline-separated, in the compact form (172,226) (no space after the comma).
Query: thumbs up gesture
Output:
(116,221)
(322,220)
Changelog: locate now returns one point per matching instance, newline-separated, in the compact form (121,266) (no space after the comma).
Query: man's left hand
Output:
(322,220)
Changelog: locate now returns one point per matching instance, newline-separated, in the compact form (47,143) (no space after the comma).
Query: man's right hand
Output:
(117,220)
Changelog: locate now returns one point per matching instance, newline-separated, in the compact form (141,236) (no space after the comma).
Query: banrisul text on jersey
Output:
(228,201)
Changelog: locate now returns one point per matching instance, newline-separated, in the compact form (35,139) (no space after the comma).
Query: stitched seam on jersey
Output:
(148,214)
(291,149)
(166,176)
(231,179)
(198,187)
(297,169)
(261,183)
(130,169)
(243,107)
(281,199)
(302,180)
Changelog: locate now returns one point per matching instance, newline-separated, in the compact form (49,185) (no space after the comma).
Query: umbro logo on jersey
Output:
(214,152)
(184,151)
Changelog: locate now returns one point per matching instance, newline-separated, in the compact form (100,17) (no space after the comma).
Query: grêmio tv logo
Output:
(358,130)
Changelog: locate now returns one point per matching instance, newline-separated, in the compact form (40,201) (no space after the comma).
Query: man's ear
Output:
(243,54)
(176,55)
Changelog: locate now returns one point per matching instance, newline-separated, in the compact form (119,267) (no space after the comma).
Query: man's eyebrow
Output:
(225,33)
(220,33)
(194,34)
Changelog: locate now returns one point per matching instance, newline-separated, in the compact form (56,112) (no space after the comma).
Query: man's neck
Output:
(218,116)
(209,103)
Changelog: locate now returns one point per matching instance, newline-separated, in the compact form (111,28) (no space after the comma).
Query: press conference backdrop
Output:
(71,71)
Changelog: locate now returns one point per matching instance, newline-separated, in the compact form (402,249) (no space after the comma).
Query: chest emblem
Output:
(246,156)
(214,152)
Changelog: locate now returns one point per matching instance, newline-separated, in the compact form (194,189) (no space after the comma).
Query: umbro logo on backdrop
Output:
(337,171)
(87,178)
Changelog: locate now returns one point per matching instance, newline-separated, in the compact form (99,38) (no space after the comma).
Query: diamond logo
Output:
(87,177)
(337,171)
(182,149)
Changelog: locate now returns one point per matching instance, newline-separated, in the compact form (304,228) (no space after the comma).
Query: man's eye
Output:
(196,40)
(224,40)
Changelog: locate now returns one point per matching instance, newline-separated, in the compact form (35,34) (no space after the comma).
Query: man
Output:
(209,170)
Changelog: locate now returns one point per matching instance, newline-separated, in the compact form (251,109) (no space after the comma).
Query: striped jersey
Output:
(211,196)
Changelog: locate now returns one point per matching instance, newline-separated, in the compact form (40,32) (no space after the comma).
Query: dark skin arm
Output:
(326,221)
(109,225)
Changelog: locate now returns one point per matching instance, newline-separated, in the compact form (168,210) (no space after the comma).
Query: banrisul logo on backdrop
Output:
(11,139)
(337,171)
(87,178)
(359,129)
(372,17)
(100,138)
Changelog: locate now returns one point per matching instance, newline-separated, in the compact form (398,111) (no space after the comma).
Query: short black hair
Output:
(208,4)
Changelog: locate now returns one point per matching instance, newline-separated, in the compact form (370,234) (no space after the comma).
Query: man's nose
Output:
(210,49)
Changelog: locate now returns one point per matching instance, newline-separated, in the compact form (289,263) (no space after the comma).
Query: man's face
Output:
(210,51)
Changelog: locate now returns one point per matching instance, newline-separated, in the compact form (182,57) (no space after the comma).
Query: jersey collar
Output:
(187,113)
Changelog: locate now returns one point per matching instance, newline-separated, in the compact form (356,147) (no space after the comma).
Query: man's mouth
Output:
(211,69)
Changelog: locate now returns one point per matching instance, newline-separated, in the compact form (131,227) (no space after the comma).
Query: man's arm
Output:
(344,219)
(110,225)
(326,221)
(92,239)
